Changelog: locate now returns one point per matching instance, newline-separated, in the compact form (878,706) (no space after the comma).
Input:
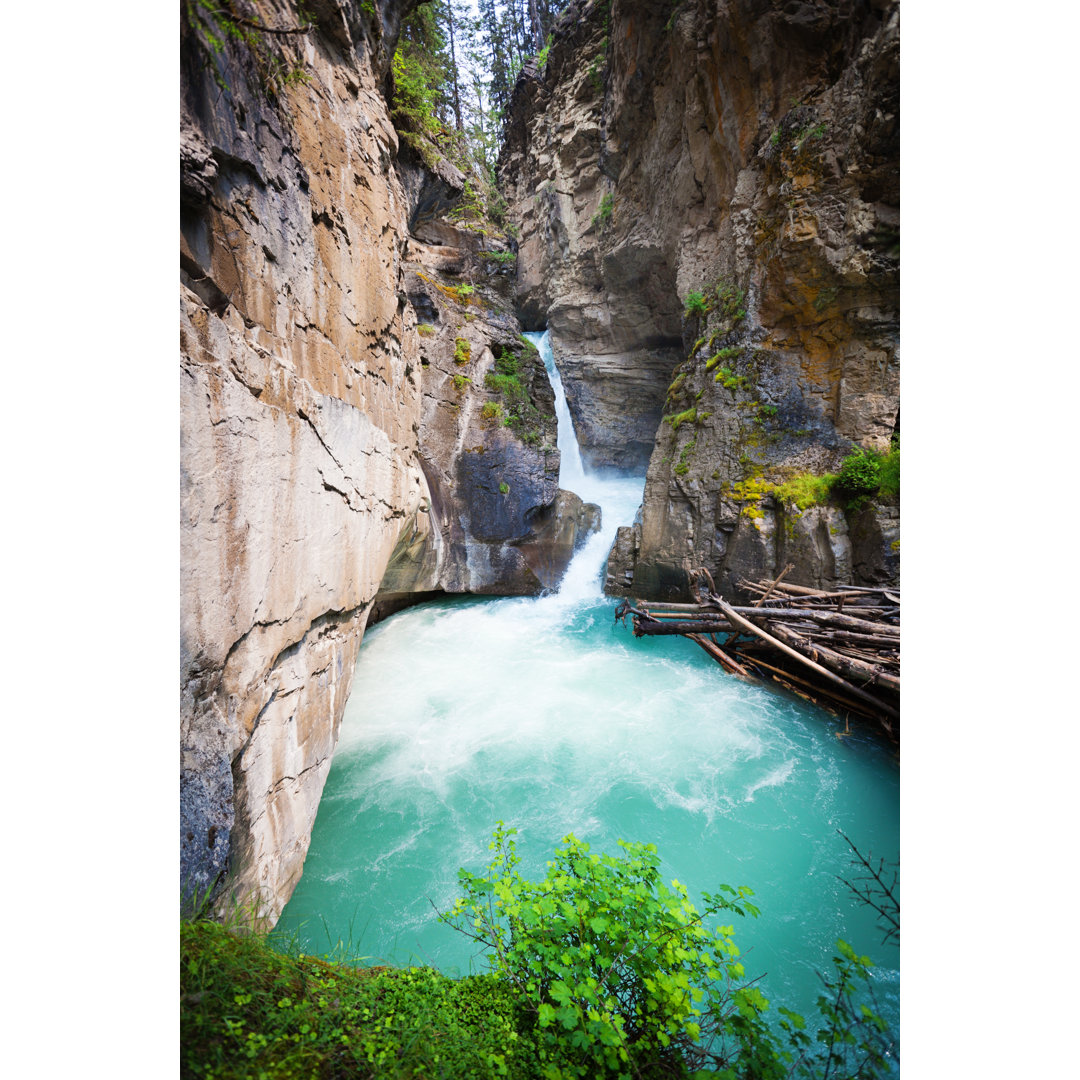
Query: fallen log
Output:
(832,676)
(768,592)
(728,663)
(669,628)
(835,698)
(869,674)
(825,618)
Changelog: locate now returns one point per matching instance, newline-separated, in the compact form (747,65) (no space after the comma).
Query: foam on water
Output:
(545,714)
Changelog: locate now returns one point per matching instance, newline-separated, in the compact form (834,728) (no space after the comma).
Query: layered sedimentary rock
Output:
(312,459)
(747,152)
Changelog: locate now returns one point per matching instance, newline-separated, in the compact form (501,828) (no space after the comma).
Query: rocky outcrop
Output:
(319,435)
(748,153)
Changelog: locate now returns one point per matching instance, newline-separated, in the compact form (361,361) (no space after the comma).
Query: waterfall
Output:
(571,469)
(618,496)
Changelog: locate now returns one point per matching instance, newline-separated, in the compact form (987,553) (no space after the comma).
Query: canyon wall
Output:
(746,152)
(329,465)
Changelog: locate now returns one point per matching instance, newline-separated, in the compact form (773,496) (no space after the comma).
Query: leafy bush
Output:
(619,970)
(695,304)
(460,382)
(860,474)
(492,410)
(462,351)
(601,970)
(890,474)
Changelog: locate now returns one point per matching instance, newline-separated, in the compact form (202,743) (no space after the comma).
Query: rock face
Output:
(748,152)
(318,435)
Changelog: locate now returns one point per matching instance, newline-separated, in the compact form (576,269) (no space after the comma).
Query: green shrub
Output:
(695,304)
(619,970)
(890,474)
(492,410)
(460,382)
(860,474)
(503,258)
(504,488)
(462,351)
(425,329)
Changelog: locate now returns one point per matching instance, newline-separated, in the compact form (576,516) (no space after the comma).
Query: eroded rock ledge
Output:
(747,151)
(327,457)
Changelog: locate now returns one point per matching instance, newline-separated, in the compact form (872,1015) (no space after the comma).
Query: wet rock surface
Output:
(749,153)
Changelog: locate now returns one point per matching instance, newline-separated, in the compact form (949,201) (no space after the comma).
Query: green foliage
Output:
(619,970)
(860,474)
(603,215)
(677,419)
(805,490)
(503,258)
(218,22)
(463,292)
(542,55)
(504,488)
(425,329)
(695,304)
(683,467)
(730,380)
(462,351)
(460,382)
(491,410)
(511,379)
(600,970)
(889,470)
(248,1011)
(863,475)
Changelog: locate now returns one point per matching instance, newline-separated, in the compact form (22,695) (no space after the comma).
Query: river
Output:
(545,714)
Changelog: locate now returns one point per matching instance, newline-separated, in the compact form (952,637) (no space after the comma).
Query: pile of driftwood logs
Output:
(839,649)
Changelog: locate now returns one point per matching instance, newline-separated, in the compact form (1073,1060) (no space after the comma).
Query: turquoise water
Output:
(543,713)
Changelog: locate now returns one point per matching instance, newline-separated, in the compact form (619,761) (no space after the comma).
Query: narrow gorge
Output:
(697,200)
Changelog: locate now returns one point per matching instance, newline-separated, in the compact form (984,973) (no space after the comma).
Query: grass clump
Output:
(504,488)
(864,475)
(603,215)
(730,380)
(425,329)
(503,258)
(249,1011)
(695,304)
(462,351)
(675,419)
(512,383)
(460,382)
(491,410)
(806,489)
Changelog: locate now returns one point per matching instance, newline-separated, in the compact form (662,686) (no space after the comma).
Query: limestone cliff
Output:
(320,432)
(746,152)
